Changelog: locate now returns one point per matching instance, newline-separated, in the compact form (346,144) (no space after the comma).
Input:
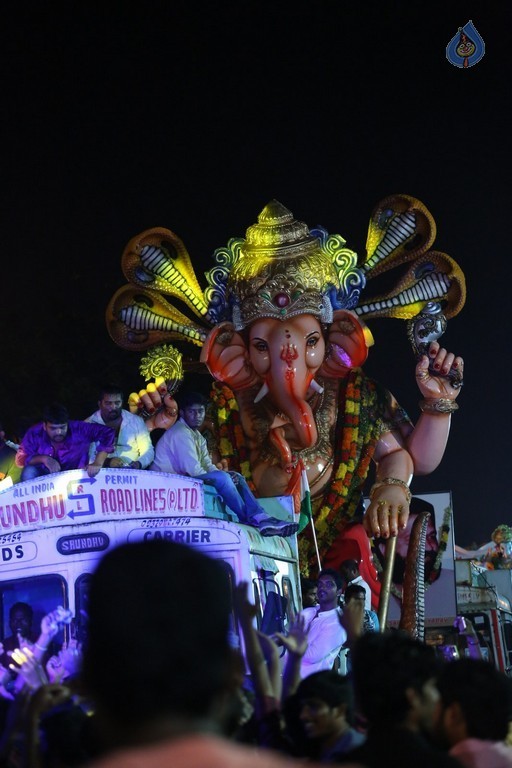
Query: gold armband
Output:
(393,481)
(438,405)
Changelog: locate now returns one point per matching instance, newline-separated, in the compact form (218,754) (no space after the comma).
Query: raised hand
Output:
(439,373)
(244,609)
(155,404)
(28,667)
(296,641)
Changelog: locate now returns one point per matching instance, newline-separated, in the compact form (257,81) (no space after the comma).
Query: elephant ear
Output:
(348,342)
(225,354)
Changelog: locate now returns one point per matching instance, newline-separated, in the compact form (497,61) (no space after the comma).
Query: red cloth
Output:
(353,544)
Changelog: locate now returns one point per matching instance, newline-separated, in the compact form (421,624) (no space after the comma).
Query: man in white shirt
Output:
(325,633)
(183,450)
(134,448)
(350,572)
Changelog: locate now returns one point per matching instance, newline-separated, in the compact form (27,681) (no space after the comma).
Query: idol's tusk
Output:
(261,394)
(316,386)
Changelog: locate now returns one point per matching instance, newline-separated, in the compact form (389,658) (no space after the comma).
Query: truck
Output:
(54,530)
(484,597)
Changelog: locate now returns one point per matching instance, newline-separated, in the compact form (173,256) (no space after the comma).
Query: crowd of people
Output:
(157,680)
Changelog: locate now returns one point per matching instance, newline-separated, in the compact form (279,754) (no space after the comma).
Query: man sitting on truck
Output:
(57,444)
(183,450)
(133,447)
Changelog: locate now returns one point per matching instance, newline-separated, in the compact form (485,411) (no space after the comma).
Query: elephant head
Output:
(278,360)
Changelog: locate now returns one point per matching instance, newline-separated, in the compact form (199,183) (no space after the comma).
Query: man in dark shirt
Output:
(21,617)
(58,444)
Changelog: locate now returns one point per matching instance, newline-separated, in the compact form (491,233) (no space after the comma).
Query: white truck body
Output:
(53,531)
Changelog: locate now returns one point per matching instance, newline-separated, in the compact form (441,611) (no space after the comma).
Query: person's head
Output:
(329,584)
(354,592)
(110,402)
(21,617)
(157,646)
(349,569)
(325,704)
(55,422)
(193,408)
(473,702)
(394,679)
(308,589)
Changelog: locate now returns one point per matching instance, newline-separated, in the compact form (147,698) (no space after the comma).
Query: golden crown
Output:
(281,271)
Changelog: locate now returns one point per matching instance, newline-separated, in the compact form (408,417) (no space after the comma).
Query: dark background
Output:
(192,116)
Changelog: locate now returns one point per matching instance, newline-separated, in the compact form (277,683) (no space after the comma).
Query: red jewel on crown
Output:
(281,300)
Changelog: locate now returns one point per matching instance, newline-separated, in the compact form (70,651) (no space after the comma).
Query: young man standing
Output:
(350,572)
(322,624)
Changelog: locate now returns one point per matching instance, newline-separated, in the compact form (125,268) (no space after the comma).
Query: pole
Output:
(386,582)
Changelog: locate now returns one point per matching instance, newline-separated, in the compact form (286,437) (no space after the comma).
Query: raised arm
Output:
(254,655)
(296,643)
(413,450)
(427,441)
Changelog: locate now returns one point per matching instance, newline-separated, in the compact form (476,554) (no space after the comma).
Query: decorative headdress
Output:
(281,269)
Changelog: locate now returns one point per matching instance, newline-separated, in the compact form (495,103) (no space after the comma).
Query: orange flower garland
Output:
(230,436)
(362,405)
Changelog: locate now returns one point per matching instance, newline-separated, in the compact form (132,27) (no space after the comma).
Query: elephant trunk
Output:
(295,407)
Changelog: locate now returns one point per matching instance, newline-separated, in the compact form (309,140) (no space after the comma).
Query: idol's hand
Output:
(439,373)
(156,406)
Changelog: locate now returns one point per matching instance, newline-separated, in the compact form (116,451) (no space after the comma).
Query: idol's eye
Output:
(260,345)
(312,341)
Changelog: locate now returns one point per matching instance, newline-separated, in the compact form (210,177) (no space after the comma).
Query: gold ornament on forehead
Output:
(281,271)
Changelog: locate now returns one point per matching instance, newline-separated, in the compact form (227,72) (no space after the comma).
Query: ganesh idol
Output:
(283,332)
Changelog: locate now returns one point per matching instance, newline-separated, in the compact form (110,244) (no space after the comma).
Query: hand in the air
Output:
(156,406)
(438,384)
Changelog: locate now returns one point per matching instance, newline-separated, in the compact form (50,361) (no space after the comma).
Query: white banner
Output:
(73,497)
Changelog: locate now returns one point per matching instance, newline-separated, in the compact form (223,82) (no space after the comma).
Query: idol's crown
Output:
(282,271)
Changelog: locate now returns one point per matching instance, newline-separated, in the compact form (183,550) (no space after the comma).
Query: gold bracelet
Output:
(392,481)
(438,405)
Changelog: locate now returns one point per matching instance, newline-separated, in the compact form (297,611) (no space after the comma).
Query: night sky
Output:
(193,116)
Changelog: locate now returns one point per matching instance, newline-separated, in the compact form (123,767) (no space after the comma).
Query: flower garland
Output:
(230,440)
(362,404)
(442,535)
(361,407)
